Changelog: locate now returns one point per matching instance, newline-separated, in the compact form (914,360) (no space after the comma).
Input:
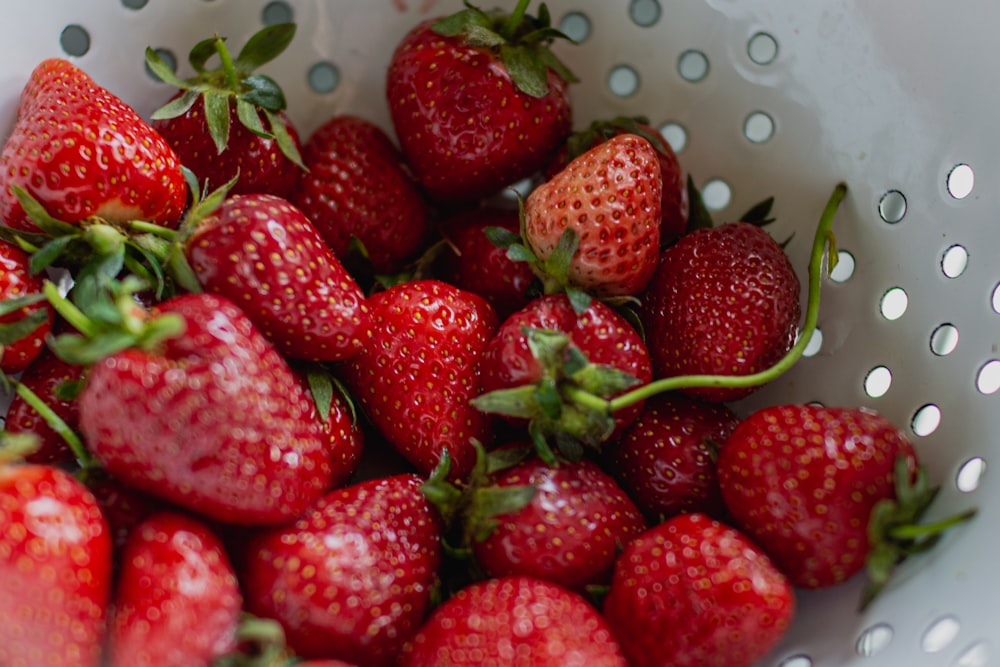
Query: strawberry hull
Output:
(217,423)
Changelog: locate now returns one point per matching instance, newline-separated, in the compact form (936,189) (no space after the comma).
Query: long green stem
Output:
(515,18)
(73,315)
(821,241)
(916,531)
(232,82)
(56,423)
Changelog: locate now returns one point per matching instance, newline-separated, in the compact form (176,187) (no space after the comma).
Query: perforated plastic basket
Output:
(899,99)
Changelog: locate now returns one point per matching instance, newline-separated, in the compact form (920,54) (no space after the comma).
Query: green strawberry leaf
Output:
(528,71)
(462,21)
(264,92)
(47,255)
(250,119)
(759,213)
(489,502)
(217,117)
(178,106)
(699,216)
(502,237)
(202,52)
(579,299)
(483,37)
(520,402)
(322,388)
(264,46)
(38,215)
(521,253)
(161,70)
(284,139)
(11,332)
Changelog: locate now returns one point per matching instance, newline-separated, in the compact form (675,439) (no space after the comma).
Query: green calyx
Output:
(895,531)
(234,81)
(519,39)
(566,408)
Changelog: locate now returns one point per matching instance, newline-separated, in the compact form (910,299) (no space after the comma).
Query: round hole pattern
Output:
(892,206)
(644,12)
(134,4)
(762,48)
(940,634)
(323,77)
(758,127)
(894,303)
(926,420)
(675,134)
(988,378)
(954,261)
(74,40)
(576,26)
(874,640)
(976,655)
(623,81)
(814,345)
(969,474)
(277,12)
(716,194)
(944,340)
(961,179)
(844,269)
(996,298)
(877,381)
(692,65)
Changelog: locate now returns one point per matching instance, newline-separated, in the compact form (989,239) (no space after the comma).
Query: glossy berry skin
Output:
(177,601)
(16,281)
(262,253)
(571,531)
(473,262)
(358,185)
(516,621)
(604,336)
(611,197)
(55,569)
(419,369)
(258,162)
(352,577)
(45,376)
(465,129)
(215,421)
(665,459)
(82,152)
(723,301)
(693,592)
(801,480)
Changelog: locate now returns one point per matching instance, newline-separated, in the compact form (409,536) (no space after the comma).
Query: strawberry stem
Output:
(822,240)
(75,317)
(56,423)
(918,531)
(228,67)
(514,20)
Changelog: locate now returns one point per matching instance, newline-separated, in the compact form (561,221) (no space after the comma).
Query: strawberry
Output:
(124,507)
(358,188)
(474,262)
(595,225)
(674,202)
(83,153)
(569,533)
(230,121)
(55,568)
(478,101)
(826,491)
(351,578)
(692,592)
(177,601)
(25,320)
(55,382)
(665,459)
(212,419)
(548,347)
(723,301)
(261,252)
(342,433)
(514,621)
(418,370)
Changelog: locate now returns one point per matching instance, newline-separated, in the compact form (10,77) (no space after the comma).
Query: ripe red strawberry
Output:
(124,507)
(82,152)
(262,253)
(517,622)
(339,424)
(822,490)
(723,301)
(472,261)
(478,101)
(55,569)
(351,578)
(609,199)
(231,121)
(419,369)
(665,460)
(674,201)
(213,420)
(604,337)
(692,592)
(358,187)
(177,601)
(47,377)
(25,320)
(569,533)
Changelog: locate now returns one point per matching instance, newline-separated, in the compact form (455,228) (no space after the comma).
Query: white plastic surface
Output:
(889,96)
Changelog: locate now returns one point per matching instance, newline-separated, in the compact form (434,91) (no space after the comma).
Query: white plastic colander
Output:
(898,99)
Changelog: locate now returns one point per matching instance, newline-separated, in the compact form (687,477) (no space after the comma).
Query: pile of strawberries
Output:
(338,400)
